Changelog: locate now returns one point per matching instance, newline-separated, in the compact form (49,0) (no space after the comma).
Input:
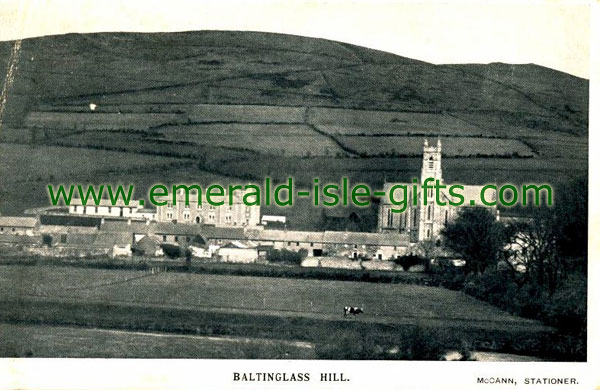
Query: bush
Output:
(408,261)
(175,251)
(411,343)
(286,256)
(447,275)
(348,345)
(47,240)
(567,308)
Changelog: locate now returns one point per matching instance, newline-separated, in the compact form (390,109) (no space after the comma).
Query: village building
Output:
(422,222)
(146,213)
(273,221)
(148,246)
(18,225)
(175,233)
(238,252)
(18,231)
(353,245)
(235,214)
(105,208)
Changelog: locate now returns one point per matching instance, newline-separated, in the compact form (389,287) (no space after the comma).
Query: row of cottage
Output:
(246,244)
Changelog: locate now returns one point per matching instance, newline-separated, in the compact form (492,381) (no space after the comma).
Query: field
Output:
(340,121)
(288,310)
(298,297)
(267,139)
(453,147)
(76,342)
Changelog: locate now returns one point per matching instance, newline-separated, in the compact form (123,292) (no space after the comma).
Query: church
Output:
(422,222)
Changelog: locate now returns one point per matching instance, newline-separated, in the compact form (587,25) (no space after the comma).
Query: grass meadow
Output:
(404,316)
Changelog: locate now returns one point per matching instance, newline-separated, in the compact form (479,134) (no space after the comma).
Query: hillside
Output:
(240,105)
(273,69)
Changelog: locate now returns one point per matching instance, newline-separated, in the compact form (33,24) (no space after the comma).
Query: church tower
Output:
(432,168)
(432,161)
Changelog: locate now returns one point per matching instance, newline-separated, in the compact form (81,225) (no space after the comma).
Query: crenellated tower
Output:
(432,161)
(432,168)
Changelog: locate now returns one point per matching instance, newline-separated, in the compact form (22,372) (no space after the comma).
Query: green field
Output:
(452,146)
(341,121)
(76,342)
(305,297)
(289,310)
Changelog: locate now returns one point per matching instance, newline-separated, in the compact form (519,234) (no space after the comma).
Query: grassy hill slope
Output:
(235,106)
(273,69)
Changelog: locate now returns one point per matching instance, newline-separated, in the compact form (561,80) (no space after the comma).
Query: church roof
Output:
(469,192)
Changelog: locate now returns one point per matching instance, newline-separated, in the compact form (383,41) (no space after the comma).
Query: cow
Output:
(352,310)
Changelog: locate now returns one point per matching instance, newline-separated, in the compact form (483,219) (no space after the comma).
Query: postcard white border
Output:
(46,374)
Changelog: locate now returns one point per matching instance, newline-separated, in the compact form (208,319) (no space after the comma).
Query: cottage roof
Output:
(60,229)
(147,240)
(284,235)
(69,219)
(21,222)
(112,239)
(236,244)
(332,237)
(181,229)
(146,211)
(381,239)
(123,226)
(81,240)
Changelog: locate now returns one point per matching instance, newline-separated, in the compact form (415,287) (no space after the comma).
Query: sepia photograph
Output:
(307,182)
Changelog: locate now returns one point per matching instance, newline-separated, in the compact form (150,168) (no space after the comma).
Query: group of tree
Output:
(544,247)
(535,266)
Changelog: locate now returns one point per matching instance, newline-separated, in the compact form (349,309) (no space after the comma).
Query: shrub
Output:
(175,251)
(47,240)
(408,261)
(567,308)
(286,256)
(447,275)
(411,343)
(343,345)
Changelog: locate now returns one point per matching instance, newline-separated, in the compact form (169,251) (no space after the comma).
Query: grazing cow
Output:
(352,310)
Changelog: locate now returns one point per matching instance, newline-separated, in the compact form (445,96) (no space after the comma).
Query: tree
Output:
(477,237)
(173,251)
(552,242)
(286,256)
(408,261)
(532,245)
(570,210)
(428,250)
(47,240)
